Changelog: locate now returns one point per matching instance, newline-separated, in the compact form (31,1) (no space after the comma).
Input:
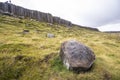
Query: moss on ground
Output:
(33,56)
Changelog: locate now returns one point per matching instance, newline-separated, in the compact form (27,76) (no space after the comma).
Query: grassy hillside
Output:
(33,56)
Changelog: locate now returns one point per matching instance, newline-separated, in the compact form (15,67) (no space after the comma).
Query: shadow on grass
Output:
(57,65)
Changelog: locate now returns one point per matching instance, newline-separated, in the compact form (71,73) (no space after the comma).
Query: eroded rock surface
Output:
(76,56)
(17,11)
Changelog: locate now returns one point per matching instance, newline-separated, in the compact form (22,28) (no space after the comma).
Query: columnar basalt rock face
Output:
(18,11)
(56,20)
(76,56)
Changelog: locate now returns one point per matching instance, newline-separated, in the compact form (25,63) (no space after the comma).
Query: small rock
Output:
(21,17)
(18,57)
(50,35)
(49,24)
(76,56)
(7,13)
(25,31)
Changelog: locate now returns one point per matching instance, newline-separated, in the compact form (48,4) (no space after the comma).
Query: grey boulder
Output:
(76,56)
(50,35)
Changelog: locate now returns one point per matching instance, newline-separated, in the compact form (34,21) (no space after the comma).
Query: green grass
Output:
(33,56)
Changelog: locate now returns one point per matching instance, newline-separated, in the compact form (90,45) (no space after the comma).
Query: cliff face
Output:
(17,11)
(13,10)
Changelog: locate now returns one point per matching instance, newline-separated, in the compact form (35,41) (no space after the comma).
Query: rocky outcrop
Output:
(17,11)
(76,56)
(13,10)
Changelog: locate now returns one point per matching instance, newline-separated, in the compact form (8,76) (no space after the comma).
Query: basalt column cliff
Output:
(13,10)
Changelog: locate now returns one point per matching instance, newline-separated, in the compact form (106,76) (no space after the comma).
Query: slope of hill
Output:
(27,54)
(18,11)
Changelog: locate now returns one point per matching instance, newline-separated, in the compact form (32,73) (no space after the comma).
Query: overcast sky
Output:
(91,13)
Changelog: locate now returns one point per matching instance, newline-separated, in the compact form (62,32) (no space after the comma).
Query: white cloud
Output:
(110,27)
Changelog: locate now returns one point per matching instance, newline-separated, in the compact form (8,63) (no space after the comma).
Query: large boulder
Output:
(76,56)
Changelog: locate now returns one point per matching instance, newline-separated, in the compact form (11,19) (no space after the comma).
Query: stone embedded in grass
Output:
(7,13)
(50,35)
(49,24)
(19,57)
(76,56)
(25,31)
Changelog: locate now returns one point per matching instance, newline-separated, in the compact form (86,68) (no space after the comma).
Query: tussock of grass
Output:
(33,56)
